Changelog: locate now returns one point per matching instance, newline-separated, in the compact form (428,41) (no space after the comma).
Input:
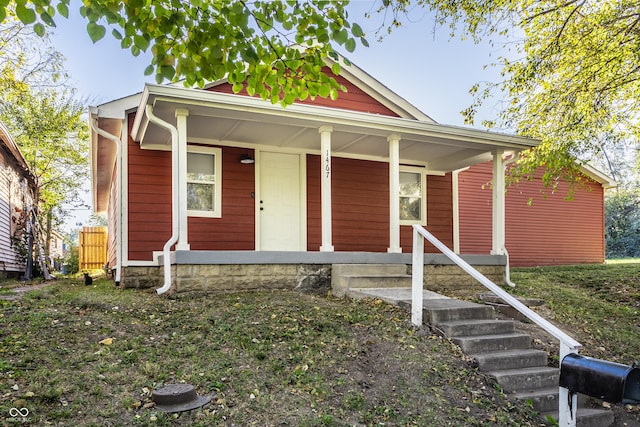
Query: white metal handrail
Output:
(567,401)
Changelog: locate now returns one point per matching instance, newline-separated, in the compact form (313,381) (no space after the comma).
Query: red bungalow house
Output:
(206,189)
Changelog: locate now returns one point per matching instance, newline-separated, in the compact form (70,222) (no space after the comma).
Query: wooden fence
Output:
(93,248)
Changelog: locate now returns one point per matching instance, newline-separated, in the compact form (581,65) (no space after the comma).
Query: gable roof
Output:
(244,121)
(368,85)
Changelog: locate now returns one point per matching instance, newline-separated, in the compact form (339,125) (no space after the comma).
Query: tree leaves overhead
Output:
(273,48)
(571,71)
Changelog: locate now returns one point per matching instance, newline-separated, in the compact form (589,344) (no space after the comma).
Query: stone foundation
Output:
(448,280)
(213,278)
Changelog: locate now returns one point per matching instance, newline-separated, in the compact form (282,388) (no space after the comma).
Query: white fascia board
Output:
(117,109)
(601,178)
(141,121)
(382,125)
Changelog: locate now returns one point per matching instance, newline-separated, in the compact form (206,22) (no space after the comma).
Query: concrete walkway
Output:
(394,296)
(17,293)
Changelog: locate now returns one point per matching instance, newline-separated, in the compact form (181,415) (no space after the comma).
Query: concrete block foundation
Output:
(209,272)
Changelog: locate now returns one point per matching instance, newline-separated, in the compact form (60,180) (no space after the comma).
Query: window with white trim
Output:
(204,182)
(413,200)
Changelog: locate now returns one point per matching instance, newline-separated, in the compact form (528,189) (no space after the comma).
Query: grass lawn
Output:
(270,358)
(281,358)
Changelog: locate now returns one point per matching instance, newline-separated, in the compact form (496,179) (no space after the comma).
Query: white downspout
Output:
(116,140)
(507,273)
(175,226)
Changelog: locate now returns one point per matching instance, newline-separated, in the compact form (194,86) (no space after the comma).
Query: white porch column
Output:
(394,194)
(455,183)
(498,206)
(325,186)
(181,125)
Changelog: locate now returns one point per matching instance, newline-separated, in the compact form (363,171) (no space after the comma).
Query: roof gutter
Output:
(94,126)
(382,125)
(175,230)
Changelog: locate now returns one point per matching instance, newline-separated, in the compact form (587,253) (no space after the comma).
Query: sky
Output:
(420,64)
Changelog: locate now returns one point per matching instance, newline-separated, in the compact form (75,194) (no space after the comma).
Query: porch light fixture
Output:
(247,159)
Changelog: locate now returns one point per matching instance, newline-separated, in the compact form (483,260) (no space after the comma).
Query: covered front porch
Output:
(309,217)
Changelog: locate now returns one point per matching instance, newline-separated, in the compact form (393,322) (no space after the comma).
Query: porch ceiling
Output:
(224,119)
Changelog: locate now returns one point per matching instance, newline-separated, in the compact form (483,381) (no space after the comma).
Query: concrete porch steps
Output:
(495,345)
(507,356)
(347,277)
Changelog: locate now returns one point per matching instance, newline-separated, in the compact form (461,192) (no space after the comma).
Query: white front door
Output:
(280,204)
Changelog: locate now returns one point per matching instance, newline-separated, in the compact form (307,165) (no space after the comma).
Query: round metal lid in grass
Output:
(178,398)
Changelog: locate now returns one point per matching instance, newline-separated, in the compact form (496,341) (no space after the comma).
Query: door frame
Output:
(302,196)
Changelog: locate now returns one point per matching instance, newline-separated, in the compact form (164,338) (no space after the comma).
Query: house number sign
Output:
(327,164)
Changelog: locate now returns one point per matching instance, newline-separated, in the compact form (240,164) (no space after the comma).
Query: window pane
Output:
(410,184)
(200,167)
(200,197)
(410,209)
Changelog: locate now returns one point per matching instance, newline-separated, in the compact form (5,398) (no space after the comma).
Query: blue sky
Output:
(424,67)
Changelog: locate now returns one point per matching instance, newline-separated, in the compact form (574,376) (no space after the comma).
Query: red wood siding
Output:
(475,201)
(439,214)
(354,99)
(360,199)
(550,231)
(149,199)
(236,229)
(150,205)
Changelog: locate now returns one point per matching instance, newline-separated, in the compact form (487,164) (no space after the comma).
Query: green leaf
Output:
(341,36)
(38,29)
(96,31)
(26,16)
(350,45)
(167,71)
(356,30)
(335,68)
(364,42)
(3,13)
(63,10)
(47,19)
(116,34)
(149,70)
(141,42)
(126,42)
(324,90)
(288,99)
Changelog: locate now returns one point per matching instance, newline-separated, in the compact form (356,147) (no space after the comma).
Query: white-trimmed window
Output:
(413,200)
(204,182)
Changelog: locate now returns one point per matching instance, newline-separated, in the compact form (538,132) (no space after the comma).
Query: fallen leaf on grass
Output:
(106,341)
